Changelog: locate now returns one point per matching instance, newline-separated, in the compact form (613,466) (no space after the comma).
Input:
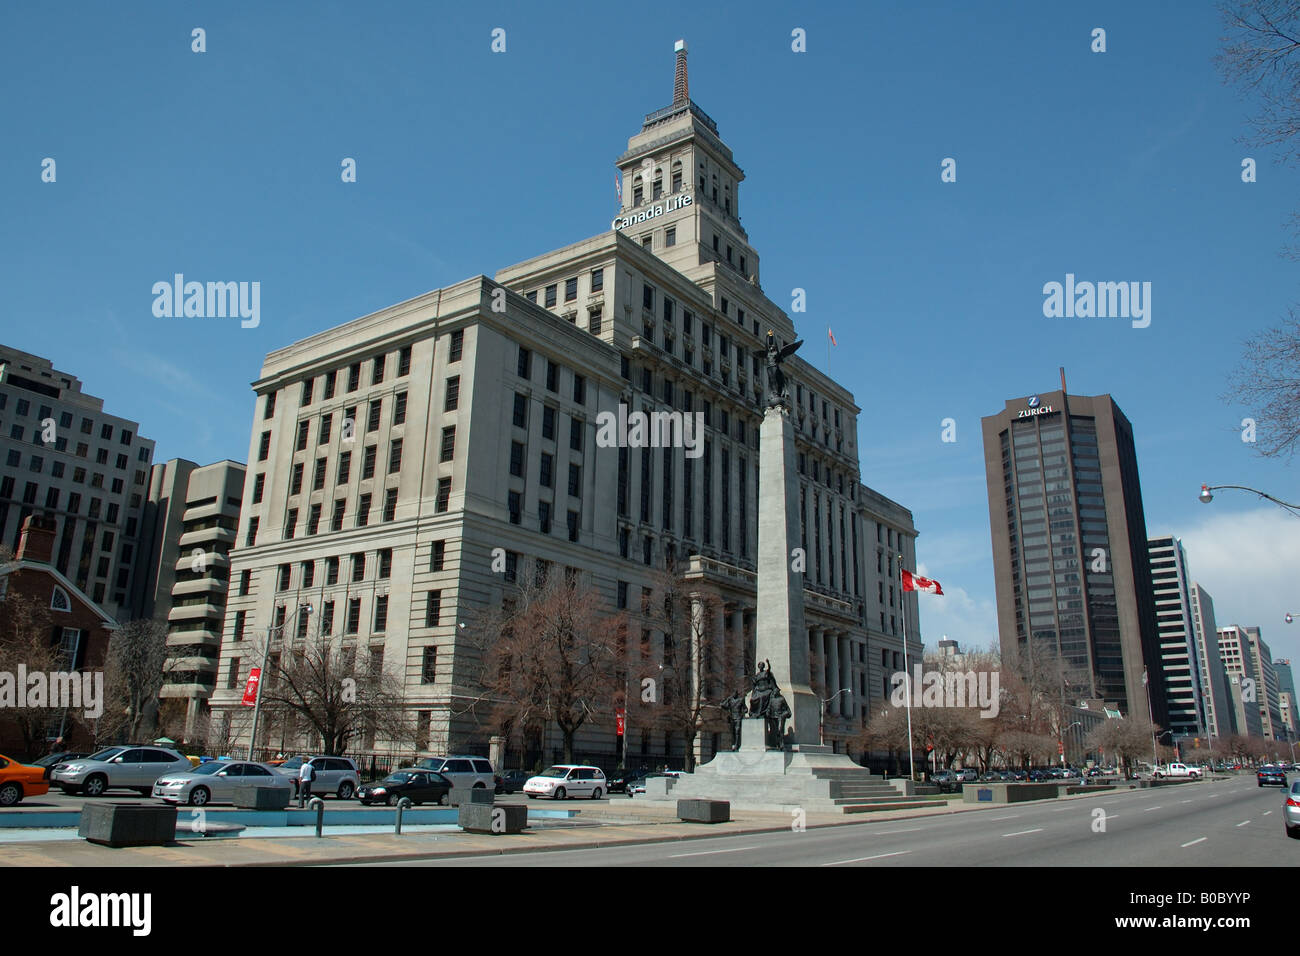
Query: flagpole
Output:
(907,671)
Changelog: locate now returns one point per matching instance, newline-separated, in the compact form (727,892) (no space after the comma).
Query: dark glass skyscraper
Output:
(1073,578)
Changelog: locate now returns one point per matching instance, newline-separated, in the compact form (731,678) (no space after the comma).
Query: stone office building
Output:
(390,456)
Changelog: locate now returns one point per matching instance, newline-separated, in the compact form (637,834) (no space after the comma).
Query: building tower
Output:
(1179,660)
(1073,578)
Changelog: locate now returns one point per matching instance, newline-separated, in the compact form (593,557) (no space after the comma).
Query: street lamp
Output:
(1206,497)
(261,674)
(1064,731)
(821,726)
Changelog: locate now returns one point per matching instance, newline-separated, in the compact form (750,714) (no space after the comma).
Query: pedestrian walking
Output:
(306,773)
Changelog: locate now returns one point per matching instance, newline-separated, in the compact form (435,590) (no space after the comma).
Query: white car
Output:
(567,780)
(1178,770)
(639,786)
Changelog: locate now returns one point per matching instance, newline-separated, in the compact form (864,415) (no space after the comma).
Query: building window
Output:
(548,423)
(448,450)
(525,363)
(544,517)
(457,345)
(573,526)
(570,289)
(354,616)
(648,297)
(443,500)
(546,471)
(514,506)
(263,449)
(291,524)
(259,487)
(429,666)
(399,408)
(404,361)
(363,511)
(336,520)
(331,571)
(301,442)
(516,459)
(313,520)
(372,422)
(318,475)
(251,538)
(597,280)
(390,504)
(354,376)
(552,376)
(579,390)
(670,236)
(575,480)
(550,296)
(368,462)
(345,467)
(453,394)
(575,434)
(437,556)
(395,456)
(521,411)
(433,609)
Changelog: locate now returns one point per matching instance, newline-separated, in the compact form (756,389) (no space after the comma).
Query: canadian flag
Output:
(912,582)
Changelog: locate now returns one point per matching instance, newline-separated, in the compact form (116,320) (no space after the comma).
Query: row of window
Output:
(22,407)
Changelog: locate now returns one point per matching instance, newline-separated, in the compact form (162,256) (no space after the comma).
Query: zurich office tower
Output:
(1073,577)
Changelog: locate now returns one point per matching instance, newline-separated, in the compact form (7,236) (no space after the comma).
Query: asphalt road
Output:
(1227,823)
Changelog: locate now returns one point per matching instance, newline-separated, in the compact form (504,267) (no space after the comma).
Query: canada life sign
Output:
(652,212)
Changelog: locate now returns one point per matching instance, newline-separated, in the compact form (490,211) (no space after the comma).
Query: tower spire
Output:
(681,85)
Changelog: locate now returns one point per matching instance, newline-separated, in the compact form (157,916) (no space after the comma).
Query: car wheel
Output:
(442,799)
(95,785)
(392,799)
(10,794)
(345,790)
(595,794)
(559,793)
(1293,832)
(199,797)
(479,786)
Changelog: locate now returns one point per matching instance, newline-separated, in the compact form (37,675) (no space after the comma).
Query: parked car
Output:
(419,786)
(622,782)
(1291,811)
(1038,776)
(18,780)
(945,780)
(567,780)
(1177,770)
(50,761)
(638,786)
(336,775)
(1019,775)
(118,768)
(462,771)
(968,775)
(512,781)
(215,782)
(1271,774)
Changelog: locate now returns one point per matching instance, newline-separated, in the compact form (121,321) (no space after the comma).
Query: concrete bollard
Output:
(402,804)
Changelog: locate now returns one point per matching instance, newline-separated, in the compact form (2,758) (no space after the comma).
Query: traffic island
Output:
(128,824)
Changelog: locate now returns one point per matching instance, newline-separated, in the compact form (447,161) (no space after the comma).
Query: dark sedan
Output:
(621,782)
(512,781)
(50,761)
(419,786)
(1271,775)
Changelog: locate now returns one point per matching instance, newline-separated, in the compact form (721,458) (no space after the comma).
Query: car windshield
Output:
(293,763)
(399,777)
(555,772)
(211,767)
(108,753)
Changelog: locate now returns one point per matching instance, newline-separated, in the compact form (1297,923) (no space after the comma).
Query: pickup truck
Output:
(1177,770)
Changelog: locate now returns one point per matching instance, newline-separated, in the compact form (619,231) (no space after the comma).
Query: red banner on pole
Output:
(250,689)
(618,721)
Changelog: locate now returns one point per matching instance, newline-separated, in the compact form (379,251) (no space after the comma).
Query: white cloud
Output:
(1249,561)
(971,622)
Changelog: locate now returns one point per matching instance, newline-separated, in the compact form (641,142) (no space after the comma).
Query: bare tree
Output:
(1267,382)
(1261,56)
(133,676)
(25,640)
(549,654)
(336,689)
(696,667)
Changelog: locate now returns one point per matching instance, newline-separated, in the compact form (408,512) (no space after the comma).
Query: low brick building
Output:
(36,599)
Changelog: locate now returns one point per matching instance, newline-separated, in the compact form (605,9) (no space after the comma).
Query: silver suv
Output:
(118,768)
(465,773)
(336,775)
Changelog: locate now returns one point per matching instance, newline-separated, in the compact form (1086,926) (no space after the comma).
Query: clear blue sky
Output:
(1121,165)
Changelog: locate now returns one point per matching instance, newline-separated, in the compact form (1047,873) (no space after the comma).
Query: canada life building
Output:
(475,410)
(1073,578)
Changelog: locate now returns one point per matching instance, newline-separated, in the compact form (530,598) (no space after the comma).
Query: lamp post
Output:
(821,725)
(1206,497)
(261,674)
(1077,723)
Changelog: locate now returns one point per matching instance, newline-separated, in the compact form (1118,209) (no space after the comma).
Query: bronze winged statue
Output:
(778,385)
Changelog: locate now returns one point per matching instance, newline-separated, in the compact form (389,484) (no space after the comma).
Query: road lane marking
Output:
(905,830)
(1184,801)
(864,859)
(1243,823)
(1149,809)
(1062,809)
(1023,832)
(1267,812)
(1194,842)
(708,852)
(1011,817)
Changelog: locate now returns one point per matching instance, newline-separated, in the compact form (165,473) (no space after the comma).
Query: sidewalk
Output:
(620,824)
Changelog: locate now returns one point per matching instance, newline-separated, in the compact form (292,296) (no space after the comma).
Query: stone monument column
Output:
(781,635)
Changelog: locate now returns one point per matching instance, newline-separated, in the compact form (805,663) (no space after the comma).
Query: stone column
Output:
(695,661)
(780,632)
(846,674)
(833,684)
